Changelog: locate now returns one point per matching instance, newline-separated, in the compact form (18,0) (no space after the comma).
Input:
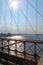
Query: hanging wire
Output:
(34,31)
(14,19)
(11,27)
(6,19)
(2,14)
(28,21)
(0,17)
(36,19)
(26,14)
(18,17)
(10,23)
(36,16)
(35,8)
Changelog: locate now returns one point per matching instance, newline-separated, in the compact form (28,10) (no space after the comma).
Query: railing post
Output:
(2,45)
(35,54)
(16,49)
(8,47)
(24,50)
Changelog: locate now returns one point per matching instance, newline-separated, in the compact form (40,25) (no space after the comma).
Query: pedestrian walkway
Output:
(41,61)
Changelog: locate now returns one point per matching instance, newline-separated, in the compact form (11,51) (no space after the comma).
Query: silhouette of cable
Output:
(3,16)
(35,8)
(12,16)
(36,19)
(27,20)
(14,19)
(6,17)
(0,17)
(26,14)
(18,16)
(11,24)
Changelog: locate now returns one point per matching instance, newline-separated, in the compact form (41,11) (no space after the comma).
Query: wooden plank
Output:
(41,61)
(16,59)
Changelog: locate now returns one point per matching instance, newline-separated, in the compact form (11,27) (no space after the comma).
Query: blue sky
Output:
(21,19)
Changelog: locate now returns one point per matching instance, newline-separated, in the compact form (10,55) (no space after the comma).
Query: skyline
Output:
(21,17)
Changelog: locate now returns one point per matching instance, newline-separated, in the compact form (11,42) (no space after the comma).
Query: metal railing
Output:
(27,49)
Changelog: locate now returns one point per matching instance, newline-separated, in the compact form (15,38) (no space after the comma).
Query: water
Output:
(23,36)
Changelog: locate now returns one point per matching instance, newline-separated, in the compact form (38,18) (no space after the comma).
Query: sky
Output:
(21,16)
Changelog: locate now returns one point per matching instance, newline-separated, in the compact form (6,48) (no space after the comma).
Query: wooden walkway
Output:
(15,59)
(41,61)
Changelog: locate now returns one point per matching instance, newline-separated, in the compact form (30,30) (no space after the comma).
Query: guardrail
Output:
(23,48)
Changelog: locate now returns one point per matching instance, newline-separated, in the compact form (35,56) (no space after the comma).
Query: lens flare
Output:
(14,4)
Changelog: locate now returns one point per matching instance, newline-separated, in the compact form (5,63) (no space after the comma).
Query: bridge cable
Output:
(27,20)
(26,14)
(35,8)
(14,19)
(3,14)
(18,17)
(36,19)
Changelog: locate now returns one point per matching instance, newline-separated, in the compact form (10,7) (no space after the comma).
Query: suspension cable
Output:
(18,16)
(2,12)
(14,19)
(35,8)
(26,14)
(6,18)
(0,17)
(36,19)
(27,20)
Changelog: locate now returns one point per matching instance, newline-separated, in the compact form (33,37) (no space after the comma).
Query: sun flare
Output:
(14,4)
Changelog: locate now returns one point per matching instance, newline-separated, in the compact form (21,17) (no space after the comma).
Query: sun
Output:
(14,4)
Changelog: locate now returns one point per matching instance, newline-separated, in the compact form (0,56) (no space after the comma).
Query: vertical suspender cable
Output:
(8,27)
(26,14)
(11,25)
(6,15)
(1,13)
(35,8)
(3,17)
(5,20)
(36,19)
(0,17)
(13,19)
(11,28)
(18,17)
(5,31)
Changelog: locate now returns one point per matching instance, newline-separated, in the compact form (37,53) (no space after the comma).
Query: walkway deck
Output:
(41,61)
(14,59)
